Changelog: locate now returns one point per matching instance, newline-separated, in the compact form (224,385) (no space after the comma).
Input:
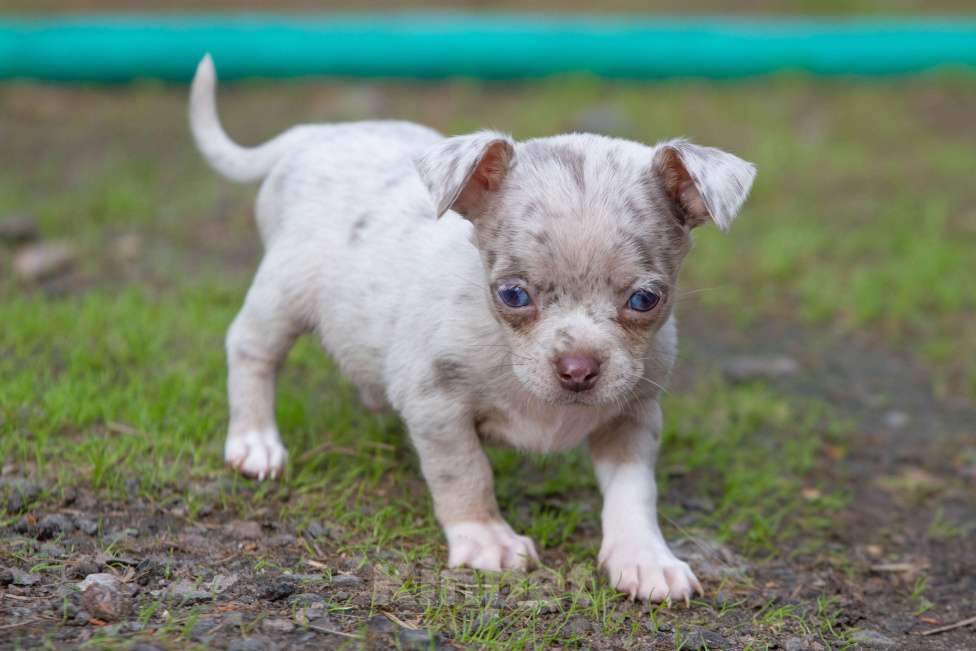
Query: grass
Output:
(861,220)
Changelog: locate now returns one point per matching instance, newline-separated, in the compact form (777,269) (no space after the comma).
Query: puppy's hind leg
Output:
(257,343)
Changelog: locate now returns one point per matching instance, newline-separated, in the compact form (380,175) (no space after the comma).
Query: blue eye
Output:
(643,300)
(513,296)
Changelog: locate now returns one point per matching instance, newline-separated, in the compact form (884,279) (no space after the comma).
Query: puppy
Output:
(486,289)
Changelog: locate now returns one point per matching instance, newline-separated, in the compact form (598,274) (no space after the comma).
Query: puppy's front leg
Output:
(460,479)
(634,553)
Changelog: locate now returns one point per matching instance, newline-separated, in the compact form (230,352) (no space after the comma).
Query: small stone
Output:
(578,626)
(278,589)
(17,229)
(43,261)
(380,624)
(21,495)
(345,580)
(86,526)
(6,577)
(253,643)
(84,566)
(802,644)
(750,368)
(418,640)
(53,551)
(24,578)
(202,628)
(895,419)
(69,496)
(277,625)
(283,540)
(699,639)
(51,526)
(223,582)
(184,592)
(243,530)
(872,639)
(145,646)
(316,529)
(106,600)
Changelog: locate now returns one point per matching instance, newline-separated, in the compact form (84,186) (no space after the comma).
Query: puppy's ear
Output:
(702,182)
(460,172)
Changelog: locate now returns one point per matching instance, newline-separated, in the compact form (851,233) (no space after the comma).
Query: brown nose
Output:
(577,372)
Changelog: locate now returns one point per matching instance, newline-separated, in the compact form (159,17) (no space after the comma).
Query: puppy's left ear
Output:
(460,172)
(702,182)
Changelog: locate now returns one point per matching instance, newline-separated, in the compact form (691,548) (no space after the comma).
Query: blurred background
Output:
(829,355)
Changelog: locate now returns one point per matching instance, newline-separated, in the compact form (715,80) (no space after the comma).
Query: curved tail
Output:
(242,164)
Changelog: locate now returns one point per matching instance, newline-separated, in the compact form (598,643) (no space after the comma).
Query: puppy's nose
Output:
(577,372)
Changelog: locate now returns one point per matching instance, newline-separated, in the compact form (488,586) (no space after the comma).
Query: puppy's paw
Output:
(489,546)
(644,574)
(258,454)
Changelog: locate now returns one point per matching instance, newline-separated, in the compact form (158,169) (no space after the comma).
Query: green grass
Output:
(861,219)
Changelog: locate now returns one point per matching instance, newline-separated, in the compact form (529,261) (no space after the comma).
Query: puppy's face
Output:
(582,238)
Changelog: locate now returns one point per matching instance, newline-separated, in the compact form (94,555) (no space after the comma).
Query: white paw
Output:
(489,546)
(257,453)
(641,573)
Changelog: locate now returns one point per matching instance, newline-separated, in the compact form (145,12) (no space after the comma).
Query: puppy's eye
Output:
(643,300)
(514,296)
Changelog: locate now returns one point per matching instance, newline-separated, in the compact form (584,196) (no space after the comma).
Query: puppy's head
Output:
(582,238)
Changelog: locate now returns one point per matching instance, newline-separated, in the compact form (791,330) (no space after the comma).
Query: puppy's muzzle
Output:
(577,372)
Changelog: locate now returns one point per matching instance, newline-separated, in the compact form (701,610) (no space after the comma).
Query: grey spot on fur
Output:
(448,373)
(358,226)
(446,478)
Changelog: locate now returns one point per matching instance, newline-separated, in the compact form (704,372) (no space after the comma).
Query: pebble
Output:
(243,530)
(6,577)
(749,368)
(895,419)
(872,639)
(19,577)
(17,229)
(316,529)
(418,640)
(87,526)
(21,495)
(277,625)
(202,628)
(223,582)
(185,592)
(278,589)
(699,639)
(802,644)
(253,643)
(145,646)
(51,526)
(345,580)
(106,600)
(43,261)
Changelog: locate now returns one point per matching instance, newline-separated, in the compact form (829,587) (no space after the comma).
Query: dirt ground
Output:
(203,570)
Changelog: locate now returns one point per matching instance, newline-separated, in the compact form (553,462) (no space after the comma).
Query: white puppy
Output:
(487,290)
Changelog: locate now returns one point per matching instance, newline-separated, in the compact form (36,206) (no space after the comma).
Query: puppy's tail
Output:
(242,164)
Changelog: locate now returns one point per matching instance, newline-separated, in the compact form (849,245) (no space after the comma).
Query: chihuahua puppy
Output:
(487,290)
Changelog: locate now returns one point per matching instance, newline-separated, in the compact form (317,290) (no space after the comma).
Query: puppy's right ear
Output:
(461,172)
